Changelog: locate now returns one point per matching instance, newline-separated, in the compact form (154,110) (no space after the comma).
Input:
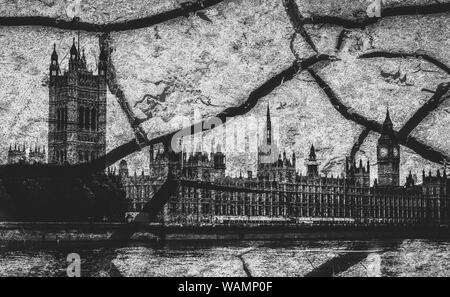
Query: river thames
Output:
(296,258)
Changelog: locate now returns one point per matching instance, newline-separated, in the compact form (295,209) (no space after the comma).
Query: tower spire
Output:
(312,165)
(312,153)
(387,125)
(268,126)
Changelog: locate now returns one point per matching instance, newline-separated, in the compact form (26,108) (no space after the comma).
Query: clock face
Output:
(395,152)
(383,152)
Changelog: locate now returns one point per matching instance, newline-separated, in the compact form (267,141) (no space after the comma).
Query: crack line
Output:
(115,89)
(419,148)
(183,11)
(389,55)
(386,12)
(296,20)
(441,94)
(357,145)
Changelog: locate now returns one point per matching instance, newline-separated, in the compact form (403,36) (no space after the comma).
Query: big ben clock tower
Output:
(388,155)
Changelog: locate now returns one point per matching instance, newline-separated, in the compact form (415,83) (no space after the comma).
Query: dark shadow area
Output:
(344,261)
(90,198)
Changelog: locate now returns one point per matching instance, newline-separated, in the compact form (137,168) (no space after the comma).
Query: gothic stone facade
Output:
(21,155)
(279,195)
(77,110)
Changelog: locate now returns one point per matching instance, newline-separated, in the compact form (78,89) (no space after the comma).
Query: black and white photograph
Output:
(224,139)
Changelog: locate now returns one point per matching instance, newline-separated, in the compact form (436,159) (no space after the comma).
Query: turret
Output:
(312,163)
(74,58)
(268,131)
(409,181)
(54,65)
(388,155)
(103,61)
(123,169)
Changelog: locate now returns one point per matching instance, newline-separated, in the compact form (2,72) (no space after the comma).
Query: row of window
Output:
(61,156)
(83,156)
(430,211)
(87,118)
(86,156)
(61,118)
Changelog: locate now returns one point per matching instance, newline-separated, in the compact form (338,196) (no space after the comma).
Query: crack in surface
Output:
(418,147)
(116,90)
(421,149)
(386,12)
(420,56)
(346,259)
(183,11)
(431,105)
(357,145)
(440,95)
(244,263)
(296,20)
(245,266)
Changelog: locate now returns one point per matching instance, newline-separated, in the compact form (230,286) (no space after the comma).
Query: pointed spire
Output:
(54,54)
(387,125)
(312,153)
(73,49)
(268,132)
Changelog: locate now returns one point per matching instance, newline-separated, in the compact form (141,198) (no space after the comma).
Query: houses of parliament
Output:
(277,194)
(204,194)
(77,113)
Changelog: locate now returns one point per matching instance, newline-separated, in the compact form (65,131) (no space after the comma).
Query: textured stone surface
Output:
(99,12)
(195,66)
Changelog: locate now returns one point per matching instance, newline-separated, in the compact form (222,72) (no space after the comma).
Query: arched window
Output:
(65,118)
(86,156)
(94,119)
(57,156)
(58,119)
(81,117)
(93,156)
(80,156)
(86,118)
